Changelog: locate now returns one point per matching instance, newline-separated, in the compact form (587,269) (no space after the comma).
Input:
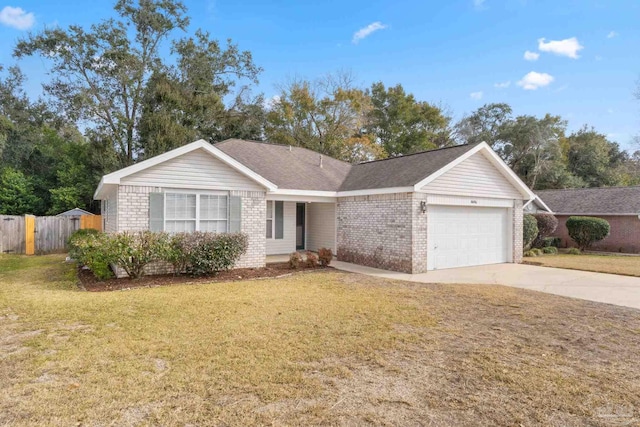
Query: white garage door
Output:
(461,236)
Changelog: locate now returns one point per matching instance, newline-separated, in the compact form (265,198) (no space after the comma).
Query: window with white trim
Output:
(270,208)
(187,212)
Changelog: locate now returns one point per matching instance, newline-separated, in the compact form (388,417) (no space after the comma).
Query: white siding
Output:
(475,176)
(109,211)
(321,226)
(287,244)
(198,170)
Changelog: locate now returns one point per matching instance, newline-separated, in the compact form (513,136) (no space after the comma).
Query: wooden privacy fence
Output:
(41,234)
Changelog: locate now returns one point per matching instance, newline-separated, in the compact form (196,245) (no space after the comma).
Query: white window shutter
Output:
(235,214)
(156,211)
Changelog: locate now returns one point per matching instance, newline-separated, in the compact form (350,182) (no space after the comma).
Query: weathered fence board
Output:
(41,234)
(52,232)
(12,234)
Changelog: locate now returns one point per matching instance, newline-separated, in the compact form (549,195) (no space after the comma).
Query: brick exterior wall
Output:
(133,215)
(389,231)
(419,234)
(253,223)
(517,215)
(624,236)
(376,231)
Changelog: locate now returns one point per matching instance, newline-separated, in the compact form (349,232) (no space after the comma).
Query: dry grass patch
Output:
(321,348)
(625,265)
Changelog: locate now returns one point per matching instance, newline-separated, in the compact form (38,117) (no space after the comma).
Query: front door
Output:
(300,216)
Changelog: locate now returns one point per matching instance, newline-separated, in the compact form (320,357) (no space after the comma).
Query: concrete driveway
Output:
(600,287)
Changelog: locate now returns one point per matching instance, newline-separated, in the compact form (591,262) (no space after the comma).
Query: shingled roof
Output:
(299,168)
(286,166)
(402,171)
(584,201)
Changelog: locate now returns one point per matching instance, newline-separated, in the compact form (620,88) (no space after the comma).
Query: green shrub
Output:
(295,260)
(529,254)
(134,251)
(75,237)
(574,251)
(551,241)
(537,251)
(529,230)
(550,250)
(547,224)
(95,251)
(209,253)
(312,259)
(176,254)
(325,256)
(585,231)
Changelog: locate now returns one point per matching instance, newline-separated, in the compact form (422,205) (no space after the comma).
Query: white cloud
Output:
(502,85)
(367,31)
(16,17)
(476,95)
(534,80)
(612,34)
(478,4)
(567,47)
(269,103)
(610,110)
(598,58)
(531,56)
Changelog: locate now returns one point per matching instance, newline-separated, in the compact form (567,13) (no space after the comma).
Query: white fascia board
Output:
(114,177)
(540,202)
(300,199)
(314,193)
(97,195)
(273,195)
(493,158)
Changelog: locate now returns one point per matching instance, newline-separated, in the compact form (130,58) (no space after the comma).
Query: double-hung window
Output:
(180,212)
(177,212)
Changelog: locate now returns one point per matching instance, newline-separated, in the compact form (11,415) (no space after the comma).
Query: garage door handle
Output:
(435,247)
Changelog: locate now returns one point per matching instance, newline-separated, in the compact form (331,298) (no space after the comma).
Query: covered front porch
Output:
(298,225)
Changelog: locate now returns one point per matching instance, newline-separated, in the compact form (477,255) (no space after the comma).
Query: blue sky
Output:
(582,54)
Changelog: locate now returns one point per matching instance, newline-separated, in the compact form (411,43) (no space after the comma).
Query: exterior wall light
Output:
(423,207)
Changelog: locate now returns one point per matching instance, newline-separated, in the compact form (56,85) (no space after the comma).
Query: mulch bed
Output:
(89,282)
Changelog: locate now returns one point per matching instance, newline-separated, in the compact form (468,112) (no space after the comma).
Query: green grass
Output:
(624,265)
(317,348)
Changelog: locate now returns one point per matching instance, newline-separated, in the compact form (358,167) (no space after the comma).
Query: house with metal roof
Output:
(450,207)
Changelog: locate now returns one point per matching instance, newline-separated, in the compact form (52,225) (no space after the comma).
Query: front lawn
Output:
(316,348)
(614,264)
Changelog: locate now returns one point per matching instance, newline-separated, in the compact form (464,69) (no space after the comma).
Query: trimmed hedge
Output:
(196,253)
(529,230)
(586,230)
(93,250)
(201,253)
(547,224)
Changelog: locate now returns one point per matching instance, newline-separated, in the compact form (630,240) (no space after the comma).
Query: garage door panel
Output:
(464,236)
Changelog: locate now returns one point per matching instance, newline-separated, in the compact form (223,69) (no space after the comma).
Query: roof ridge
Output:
(419,152)
(589,188)
(283,145)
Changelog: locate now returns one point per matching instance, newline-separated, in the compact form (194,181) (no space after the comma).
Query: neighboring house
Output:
(451,207)
(75,212)
(620,206)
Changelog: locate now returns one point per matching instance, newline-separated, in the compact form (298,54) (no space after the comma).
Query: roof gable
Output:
(115,177)
(475,176)
(195,169)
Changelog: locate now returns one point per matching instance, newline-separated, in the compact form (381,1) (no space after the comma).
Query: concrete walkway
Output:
(600,287)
